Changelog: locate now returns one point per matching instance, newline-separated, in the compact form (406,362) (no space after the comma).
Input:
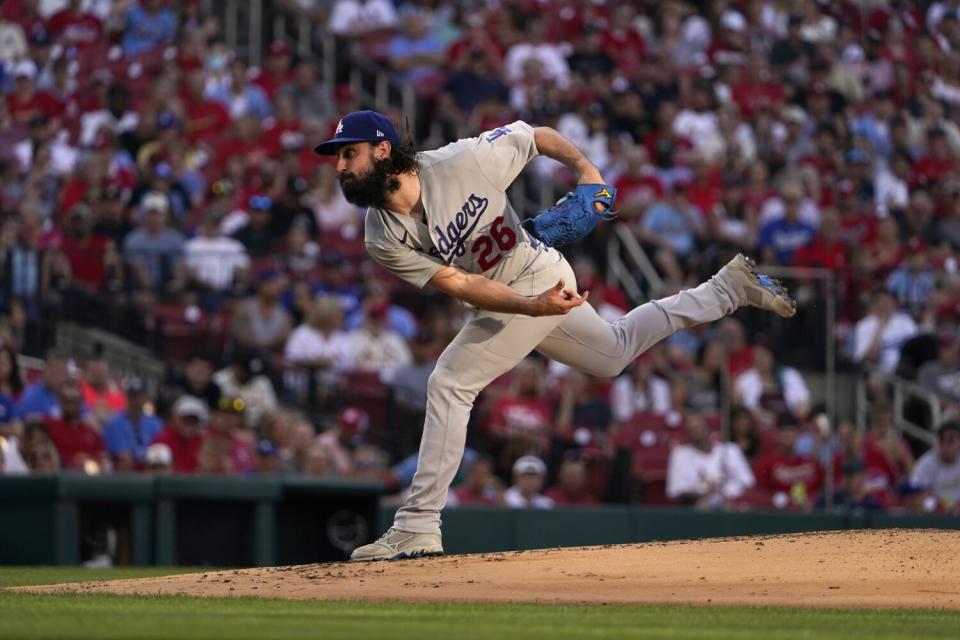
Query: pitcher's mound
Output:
(879,568)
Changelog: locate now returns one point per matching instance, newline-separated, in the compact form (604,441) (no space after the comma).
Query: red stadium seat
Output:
(714,422)
(365,389)
(768,440)
(177,332)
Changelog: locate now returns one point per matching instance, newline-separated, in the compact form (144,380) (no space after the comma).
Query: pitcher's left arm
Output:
(552,144)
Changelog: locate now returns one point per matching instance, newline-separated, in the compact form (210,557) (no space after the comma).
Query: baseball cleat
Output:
(760,289)
(399,545)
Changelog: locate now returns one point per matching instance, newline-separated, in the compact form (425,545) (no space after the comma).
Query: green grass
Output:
(13,576)
(173,618)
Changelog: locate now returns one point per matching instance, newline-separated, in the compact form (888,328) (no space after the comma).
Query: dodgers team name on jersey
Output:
(451,242)
(468,221)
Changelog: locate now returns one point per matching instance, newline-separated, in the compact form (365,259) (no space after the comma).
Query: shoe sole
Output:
(403,555)
(788,306)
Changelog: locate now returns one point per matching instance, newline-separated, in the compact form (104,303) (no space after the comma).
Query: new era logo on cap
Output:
(360,126)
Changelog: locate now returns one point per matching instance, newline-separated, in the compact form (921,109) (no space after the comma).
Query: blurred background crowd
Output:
(159,188)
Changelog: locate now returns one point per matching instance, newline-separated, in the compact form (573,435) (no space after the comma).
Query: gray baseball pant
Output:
(493,343)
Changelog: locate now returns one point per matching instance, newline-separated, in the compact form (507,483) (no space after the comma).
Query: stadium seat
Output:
(364,388)
(179,330)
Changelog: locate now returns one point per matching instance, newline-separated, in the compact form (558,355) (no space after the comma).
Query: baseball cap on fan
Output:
(360,126)
(529,464)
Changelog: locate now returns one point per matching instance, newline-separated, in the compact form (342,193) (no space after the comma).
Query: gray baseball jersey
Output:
(469,222)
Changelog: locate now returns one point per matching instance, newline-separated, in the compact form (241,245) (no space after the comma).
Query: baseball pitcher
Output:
(442,218)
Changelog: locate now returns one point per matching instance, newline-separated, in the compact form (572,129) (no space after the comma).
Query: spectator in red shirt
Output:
(283,131)
(906,13)
(757,88)
(571,485)
(476,39)
(102,396)
(77,441)
(520,419)
(885,252)
(827,251)
(783,470)
(739,352)
(90,258)
(481,488)
(248,142)
(207,120)
(623,39)
(73,26)
(277,71)
(884,444)
(26,13)
(638,187)
(879,478)
(25,104)
(729,47)
(826,158)
(184,433)
(226,424)
(705,188)
(857,225)
(936,164)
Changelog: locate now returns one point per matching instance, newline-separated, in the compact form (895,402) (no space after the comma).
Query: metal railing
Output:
(625,258)
(242,25)
(385,91)
(828,279)
(124,357)
(371,84)
(902,391)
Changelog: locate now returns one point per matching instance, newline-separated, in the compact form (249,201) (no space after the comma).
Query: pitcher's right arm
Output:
(490,295)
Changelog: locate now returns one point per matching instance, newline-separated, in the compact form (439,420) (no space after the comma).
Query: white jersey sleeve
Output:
(502,153)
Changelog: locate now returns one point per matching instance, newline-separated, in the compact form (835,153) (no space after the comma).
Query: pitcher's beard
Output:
(372,190)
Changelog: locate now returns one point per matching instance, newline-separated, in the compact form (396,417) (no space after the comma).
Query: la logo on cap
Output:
(339,128)
(379,133)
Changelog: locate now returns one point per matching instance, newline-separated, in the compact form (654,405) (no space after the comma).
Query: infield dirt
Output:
(873,568)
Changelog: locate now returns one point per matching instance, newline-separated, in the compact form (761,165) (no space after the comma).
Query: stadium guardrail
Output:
(262,521)
(70,518)
(902,391)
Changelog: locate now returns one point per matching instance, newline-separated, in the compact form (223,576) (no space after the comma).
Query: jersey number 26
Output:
(492,247)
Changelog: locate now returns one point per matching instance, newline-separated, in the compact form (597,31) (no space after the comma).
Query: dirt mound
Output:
(879,568)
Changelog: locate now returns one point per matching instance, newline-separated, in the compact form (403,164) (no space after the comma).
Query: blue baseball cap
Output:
(360,126)
(266,448)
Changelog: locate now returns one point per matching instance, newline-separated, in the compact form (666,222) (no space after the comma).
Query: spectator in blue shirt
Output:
(149,25)
(914,280)
(476,84)
(415,53)
(154,250)
(40,399)
(672,225)
(128,433)
(332,282)
(780,238)
(242,97)
(399,318)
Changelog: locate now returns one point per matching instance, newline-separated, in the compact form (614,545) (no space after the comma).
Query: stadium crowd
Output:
(157,186)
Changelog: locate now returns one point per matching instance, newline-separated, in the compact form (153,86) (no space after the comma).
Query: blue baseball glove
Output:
(574,215)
